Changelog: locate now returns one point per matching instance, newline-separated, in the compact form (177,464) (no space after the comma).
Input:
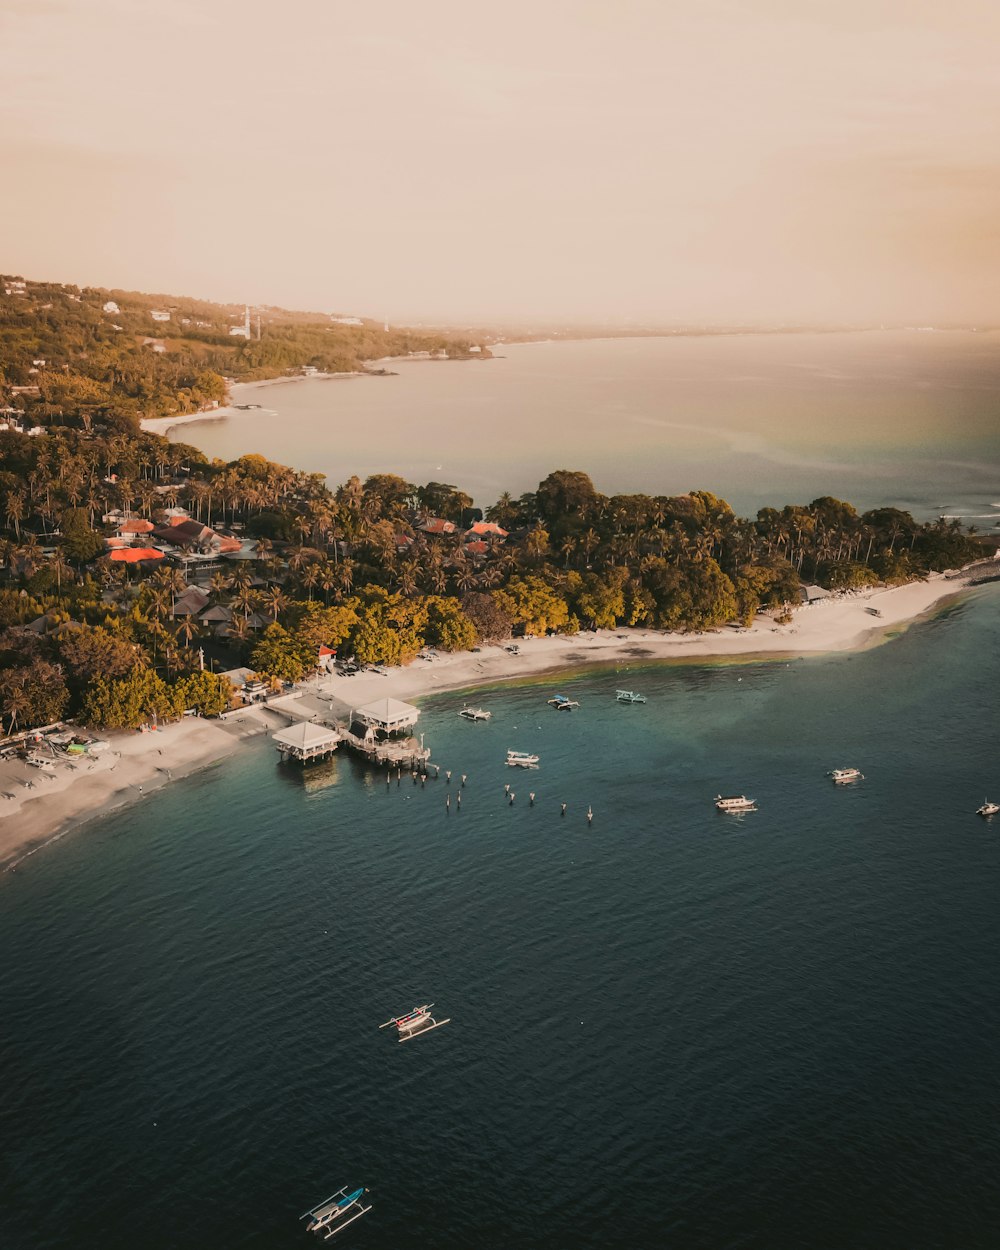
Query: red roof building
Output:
(134,555)
(482,528)
(436,525)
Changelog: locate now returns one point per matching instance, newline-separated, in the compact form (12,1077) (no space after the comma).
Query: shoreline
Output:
(163,425)
(137,764)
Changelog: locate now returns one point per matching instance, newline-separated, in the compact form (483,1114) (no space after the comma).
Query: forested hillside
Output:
(86,356)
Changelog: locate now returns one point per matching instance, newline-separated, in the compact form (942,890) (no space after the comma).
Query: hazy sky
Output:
(645,159)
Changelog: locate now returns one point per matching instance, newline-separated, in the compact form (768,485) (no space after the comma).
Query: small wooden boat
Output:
(735,803)
(873,611)
(415,1022)
(629,696)
(521,759)
(562,703)
(475,713)
(988,808)
(841,776)
(328,1218)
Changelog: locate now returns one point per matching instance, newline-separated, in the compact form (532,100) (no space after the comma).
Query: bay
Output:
(670,1028)
(906,418)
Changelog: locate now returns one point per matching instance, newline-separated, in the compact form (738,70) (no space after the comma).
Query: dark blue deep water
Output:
(674,1028)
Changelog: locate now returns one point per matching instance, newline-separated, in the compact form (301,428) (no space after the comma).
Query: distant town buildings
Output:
(347,321)
(111,307)
(159,314)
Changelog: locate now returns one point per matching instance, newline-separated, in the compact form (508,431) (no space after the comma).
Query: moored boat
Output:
(521,759)
(475,713)
(629,696)
(562,703)
(842,775)
(988,808)
(735,803)
(415,1022)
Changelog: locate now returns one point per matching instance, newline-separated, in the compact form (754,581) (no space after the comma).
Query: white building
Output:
(111,307)
(159,314)
(347,321)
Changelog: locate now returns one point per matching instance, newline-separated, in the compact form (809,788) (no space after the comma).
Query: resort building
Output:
(306,741)
(386,716)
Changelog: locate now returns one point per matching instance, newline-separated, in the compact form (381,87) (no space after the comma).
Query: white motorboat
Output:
(735,803)
(521,759)
(629,696)
(988,808)
(841,776)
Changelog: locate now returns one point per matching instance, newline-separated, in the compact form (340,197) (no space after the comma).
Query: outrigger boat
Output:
(521,759)
(328,1217)
(629,696)
(843,775)
(988,808)
(415,1022)
(736,803)
(562,703)
(475,713)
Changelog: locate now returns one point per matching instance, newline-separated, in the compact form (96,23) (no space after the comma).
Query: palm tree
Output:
(186,629)
(15,705)
(15,511)
(466,577)
(159,602)
(239,628)
(61,569)
(243,600)
(276,602)
(345,575)
(310,578)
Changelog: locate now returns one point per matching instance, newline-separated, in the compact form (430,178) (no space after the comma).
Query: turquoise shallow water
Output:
(673,1028)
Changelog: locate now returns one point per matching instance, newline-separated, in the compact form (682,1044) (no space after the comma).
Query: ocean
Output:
(668,1028)
(906,418)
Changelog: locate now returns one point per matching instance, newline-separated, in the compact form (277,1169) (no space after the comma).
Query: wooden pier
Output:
(407,753)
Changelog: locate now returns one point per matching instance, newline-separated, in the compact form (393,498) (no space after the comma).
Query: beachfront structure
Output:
(305,741)
(159,314)
(813,594)
(387,716)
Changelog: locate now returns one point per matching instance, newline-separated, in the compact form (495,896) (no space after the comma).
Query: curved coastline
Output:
(163,425)
(141,763)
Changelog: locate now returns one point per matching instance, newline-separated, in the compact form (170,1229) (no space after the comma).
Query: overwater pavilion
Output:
(306,741)
(386,716)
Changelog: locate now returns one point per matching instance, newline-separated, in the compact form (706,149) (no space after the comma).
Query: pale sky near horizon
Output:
(649,160)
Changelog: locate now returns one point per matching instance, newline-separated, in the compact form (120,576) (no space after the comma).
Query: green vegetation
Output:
(98,359)
(363,569)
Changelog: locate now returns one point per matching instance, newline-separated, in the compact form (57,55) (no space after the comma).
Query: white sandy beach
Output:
(239,393)
(137,763)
